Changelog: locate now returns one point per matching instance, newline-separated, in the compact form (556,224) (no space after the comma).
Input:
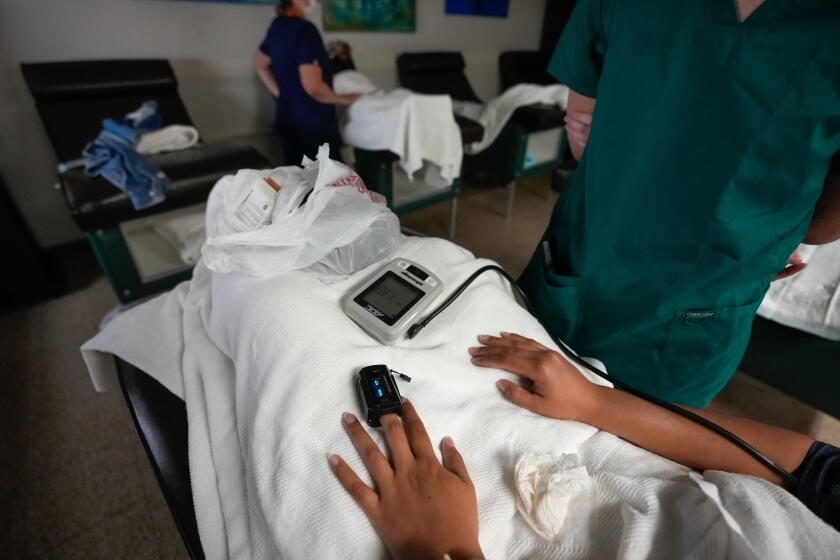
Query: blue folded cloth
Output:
(143,120)
(112,155)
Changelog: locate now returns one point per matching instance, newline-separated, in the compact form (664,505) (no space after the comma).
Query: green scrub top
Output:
(709,146)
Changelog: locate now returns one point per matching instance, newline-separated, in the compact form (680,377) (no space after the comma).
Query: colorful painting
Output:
(490,8)
(369,15)
(265,2)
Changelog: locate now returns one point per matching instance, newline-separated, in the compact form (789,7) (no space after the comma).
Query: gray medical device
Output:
(392,299)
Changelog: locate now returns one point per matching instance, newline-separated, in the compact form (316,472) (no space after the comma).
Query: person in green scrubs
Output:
(713,126)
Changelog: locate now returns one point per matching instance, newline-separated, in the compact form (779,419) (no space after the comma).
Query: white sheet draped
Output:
(810,300)
(266,366)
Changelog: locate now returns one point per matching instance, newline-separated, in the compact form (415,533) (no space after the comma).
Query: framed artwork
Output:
(490,8)
(263,2)
(370,15)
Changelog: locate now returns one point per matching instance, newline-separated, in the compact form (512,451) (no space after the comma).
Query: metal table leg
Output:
(453,216)
(511,188)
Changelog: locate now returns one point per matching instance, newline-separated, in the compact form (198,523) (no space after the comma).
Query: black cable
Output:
(708,424)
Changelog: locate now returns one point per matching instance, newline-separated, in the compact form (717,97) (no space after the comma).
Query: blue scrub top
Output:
(290,42)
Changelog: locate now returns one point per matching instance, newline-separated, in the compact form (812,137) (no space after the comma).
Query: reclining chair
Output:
(531,142)
(531,67)
(377,169)
(72,99)
(524,67)
(160,419)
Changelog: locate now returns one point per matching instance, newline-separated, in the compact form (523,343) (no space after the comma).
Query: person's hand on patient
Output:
(420,508)
(794,265)
(557,388)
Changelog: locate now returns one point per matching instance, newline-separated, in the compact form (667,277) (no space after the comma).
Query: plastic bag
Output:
(324,220)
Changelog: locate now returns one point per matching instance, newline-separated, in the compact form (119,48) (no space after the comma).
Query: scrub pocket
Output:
(559,300)
(702,351)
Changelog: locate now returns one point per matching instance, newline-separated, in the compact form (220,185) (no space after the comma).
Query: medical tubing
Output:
(706,423)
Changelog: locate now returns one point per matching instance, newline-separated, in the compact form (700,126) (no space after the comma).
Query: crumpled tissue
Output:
(545,488)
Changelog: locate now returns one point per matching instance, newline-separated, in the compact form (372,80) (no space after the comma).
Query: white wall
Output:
(210,47)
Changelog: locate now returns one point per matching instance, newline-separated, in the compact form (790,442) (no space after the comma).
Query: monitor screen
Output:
(390,295)
(378,388)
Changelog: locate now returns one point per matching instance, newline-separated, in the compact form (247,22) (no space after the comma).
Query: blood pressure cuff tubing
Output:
(819,482)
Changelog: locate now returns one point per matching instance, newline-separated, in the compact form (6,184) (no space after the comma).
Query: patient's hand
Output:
(558,390)
(421,509)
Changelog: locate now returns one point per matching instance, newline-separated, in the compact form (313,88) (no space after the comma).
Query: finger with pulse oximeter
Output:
(419,507)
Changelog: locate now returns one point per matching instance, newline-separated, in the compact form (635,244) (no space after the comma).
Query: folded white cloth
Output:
(493,116)
(545,488)
(266,367)
(167,139)
(351,81)
(810,300)
(415,127)
(185,234)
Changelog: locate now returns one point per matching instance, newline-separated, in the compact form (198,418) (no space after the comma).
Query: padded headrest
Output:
(435,62)
(524,67)
(73,97)
(436,73)
(59,80)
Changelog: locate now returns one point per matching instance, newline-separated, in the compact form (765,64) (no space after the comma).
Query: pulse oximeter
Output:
(378,394)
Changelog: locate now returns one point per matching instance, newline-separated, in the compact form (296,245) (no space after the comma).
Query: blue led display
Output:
(377,388)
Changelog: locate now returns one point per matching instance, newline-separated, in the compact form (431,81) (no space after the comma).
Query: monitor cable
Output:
(767,462)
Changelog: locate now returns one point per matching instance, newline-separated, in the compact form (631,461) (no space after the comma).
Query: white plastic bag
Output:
(324,220)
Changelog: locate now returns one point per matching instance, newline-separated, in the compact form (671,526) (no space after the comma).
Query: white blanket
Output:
(809,300)
(494,115)
(168,139)
(415,127)
(266,367)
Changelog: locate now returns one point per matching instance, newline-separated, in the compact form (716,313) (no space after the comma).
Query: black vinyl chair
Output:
(377,170)
(524,67)
(160,419)
(508,158)
(72,99)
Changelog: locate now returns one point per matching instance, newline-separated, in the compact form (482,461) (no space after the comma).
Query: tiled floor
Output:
(74,481)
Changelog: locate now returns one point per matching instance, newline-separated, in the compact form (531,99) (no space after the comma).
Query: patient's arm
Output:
(262,64)
(825,225)
(420,508)
(558,390)
(578,120)
(312,79)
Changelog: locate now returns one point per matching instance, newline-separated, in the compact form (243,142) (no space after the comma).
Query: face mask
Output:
(313,13)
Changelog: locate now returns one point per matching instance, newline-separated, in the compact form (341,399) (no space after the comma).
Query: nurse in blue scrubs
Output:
(295,68)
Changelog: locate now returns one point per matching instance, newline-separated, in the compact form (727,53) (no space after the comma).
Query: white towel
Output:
(185,234)
(493,116)
(809,300)
(167,139)
(415,127)
(351,81)
(266,367)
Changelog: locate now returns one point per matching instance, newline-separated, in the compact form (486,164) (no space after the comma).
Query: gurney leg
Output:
(511,188)
(453,215)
